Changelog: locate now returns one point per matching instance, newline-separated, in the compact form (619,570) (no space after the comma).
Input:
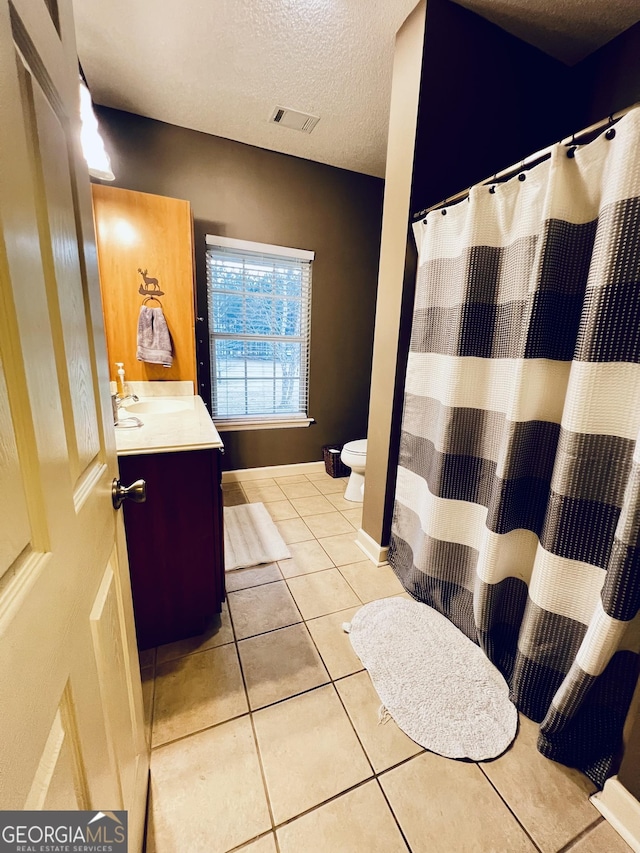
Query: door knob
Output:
(136,492)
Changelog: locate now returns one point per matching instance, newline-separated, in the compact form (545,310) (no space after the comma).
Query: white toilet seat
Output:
(358,446)
(354,456)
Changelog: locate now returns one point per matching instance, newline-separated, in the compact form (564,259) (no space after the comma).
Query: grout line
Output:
(326,802)
(199,731)
(255,738)
(255,585)
(245,844)
(346,580)
(194,651)
(570,845)
(344,708)
(517,819)
(390,807)
(292,696)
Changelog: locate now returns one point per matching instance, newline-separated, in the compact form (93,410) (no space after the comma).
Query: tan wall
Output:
(240,191)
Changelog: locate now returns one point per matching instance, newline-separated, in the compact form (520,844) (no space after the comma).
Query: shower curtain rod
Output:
(531,160)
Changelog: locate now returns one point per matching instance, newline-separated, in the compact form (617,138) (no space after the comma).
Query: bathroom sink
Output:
(157,407)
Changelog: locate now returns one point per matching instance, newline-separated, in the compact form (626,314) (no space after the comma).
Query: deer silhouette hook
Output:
(149,282)
(150,286)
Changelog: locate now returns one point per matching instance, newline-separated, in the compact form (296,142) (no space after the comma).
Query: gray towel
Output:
(154,339)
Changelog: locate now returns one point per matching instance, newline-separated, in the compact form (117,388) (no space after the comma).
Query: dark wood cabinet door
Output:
(175,542)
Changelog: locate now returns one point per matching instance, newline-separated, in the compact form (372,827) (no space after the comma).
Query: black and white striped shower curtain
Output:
(517,509)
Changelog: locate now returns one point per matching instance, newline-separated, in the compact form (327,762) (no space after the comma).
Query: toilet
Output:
(354,456)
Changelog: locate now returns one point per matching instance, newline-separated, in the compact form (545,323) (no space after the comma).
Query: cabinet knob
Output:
(136,492)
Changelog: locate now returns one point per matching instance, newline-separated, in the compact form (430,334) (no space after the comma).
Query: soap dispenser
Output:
(120,386)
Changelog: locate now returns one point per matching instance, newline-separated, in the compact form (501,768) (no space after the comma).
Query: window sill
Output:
(245,424)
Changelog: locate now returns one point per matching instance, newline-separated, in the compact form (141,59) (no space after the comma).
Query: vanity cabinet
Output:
(175,543)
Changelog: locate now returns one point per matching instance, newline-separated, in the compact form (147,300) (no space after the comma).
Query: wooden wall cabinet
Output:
(175,544)
(139,231)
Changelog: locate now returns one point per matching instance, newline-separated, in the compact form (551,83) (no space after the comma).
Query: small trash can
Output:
(332,463)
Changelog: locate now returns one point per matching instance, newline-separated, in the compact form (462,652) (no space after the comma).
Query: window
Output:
(259,306)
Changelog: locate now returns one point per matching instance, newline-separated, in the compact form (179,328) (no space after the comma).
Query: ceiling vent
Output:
(294,119)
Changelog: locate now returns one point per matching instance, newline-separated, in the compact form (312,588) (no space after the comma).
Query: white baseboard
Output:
(621,810)
(374,552)
(272,471)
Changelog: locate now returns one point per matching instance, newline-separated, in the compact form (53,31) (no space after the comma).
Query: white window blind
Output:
(259,305)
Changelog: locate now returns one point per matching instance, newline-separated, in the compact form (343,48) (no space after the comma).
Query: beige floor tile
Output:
(266,844)
(262,608)
(405,595)
(312,506)
(445,805)
(551,801)
(305,557)
(148,684)
(357,822)
(601,839)
(342,549)
(280,664)
(279,510)
(334,644)
(258,483)
(322,592)
(218,634)
(309,751)
(354,517)
(263,494)
(197,691)
(234,498)
(305,489)
(370,581)
(294,530)
(328,524)
(318,475)
(245,578)
(386,745)
(339,503)
(207,794)
(331,486)
(147,658)
(293,478)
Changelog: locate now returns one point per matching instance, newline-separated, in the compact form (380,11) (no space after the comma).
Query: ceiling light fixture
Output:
(92,143)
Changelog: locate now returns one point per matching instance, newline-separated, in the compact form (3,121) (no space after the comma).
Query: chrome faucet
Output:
(120,401)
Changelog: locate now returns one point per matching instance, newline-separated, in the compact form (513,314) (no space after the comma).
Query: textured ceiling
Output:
(221,66)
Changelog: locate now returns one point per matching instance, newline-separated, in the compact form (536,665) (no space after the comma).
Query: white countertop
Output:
(190,428)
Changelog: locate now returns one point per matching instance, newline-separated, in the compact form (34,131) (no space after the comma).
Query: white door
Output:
(71,720)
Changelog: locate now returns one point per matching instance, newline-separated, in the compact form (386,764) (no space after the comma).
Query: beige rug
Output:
(251,537)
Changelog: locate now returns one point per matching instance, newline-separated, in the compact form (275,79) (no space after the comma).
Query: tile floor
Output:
(265,735)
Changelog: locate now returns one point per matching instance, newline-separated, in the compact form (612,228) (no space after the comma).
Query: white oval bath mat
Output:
(438,686)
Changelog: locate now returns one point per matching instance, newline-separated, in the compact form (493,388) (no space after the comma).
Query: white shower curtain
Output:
(517,510)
